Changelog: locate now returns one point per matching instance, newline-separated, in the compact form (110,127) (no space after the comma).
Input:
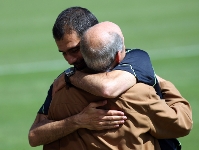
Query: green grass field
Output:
(29,61)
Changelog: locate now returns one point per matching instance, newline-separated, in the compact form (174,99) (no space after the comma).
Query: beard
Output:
(80,65)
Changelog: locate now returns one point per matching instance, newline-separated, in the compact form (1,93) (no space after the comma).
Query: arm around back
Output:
(174,119)
(108,84)
(44,131)
(178,103)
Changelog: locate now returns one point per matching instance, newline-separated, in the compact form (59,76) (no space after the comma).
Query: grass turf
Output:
(168,31)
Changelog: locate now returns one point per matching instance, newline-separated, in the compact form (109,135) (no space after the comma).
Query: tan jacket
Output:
(149,118)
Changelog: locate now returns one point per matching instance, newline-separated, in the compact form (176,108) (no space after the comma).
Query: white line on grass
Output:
(53,65)
(175,52)
(33,67)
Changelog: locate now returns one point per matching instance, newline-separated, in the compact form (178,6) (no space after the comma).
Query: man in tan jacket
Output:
(149,118)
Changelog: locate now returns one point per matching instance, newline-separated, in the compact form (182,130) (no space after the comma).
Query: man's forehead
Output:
(71,35)
(69,41)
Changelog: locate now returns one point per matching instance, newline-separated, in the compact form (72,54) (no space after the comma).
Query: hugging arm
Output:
(44,131)
(172,119)
(108,84)
(135,67)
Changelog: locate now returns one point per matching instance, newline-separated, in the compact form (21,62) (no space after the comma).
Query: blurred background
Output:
(29,59)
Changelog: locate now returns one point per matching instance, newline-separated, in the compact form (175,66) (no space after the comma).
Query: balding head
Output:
(101,32)
(100,44)
(110,27)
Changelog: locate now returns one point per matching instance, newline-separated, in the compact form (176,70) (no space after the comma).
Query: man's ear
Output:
(118,57)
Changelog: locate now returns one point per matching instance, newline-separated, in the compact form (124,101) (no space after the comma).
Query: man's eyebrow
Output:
(70,49)
(67,50)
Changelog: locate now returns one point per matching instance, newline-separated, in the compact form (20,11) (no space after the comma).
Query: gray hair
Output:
(101,56)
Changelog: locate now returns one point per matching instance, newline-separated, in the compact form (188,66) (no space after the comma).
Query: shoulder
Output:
(136,51)
(140,92)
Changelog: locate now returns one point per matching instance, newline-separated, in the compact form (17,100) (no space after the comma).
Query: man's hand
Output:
(62,80)
(44,131)
(58,83)
(99,119)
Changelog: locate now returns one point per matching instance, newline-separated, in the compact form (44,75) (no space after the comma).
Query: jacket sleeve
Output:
(174,119)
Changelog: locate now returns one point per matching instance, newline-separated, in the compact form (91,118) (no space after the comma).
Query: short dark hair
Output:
(73,19)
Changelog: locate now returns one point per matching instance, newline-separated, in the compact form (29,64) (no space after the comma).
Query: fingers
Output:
(113,118)
(58,83)
(109,124)
(99,119)
(105,112)
(114,113)
(112,123)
